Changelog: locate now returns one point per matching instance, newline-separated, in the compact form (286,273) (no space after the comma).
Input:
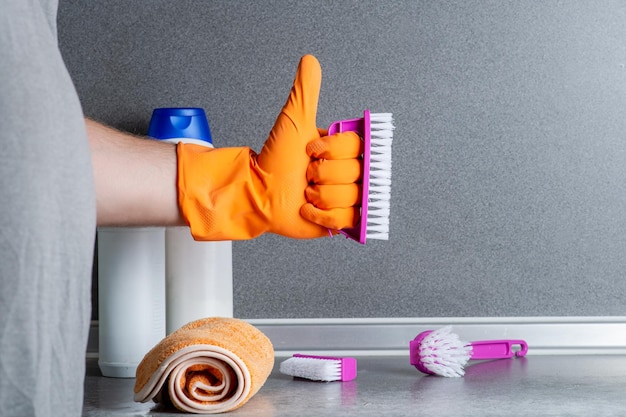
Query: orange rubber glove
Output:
(290,188)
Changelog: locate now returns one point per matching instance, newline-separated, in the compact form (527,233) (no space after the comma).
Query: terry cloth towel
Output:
(212,365)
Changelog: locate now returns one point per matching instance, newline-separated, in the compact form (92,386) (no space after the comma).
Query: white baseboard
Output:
(391,336)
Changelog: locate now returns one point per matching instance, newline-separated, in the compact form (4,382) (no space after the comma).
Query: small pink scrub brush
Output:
(319,368)
(441,352)
(376,131)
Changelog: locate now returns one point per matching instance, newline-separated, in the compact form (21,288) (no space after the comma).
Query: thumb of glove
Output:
(295,126)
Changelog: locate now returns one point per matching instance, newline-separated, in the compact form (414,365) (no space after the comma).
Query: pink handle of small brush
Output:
(497,349)
(362,127)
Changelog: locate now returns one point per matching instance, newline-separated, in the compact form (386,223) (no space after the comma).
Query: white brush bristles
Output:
(442,353)
(379,195)
(326,370)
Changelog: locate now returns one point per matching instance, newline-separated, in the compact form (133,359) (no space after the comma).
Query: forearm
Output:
(135,179)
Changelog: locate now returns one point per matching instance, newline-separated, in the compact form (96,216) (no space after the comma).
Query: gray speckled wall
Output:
(509,189)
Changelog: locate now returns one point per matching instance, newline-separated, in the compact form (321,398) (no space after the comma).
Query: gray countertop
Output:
(389,386)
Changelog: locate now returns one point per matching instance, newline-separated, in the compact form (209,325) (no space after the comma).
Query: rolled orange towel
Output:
(212,365)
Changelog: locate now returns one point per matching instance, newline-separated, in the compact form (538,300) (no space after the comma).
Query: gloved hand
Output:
(302,184)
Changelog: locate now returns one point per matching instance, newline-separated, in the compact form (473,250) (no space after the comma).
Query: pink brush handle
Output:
(497,349)
(363,128)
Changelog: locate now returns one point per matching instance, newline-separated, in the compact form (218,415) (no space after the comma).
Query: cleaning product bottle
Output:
(198,275)
(131,296)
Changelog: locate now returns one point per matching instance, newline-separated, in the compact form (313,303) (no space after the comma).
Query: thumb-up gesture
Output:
(301,185)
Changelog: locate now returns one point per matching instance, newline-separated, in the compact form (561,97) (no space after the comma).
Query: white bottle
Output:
(131,296)
(198,275)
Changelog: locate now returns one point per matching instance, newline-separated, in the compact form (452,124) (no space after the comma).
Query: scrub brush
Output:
(441,352)
(319,368)
(376,130)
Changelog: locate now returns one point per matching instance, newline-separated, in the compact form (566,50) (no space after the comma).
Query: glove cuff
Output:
(220,193)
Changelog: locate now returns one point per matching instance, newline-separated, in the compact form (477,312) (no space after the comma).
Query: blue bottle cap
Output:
(180,122)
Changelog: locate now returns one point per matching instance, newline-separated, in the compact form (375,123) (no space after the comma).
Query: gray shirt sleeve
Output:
(47,219)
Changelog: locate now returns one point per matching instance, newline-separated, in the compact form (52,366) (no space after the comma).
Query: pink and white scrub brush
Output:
(441,352)
(319,368)
(376,131)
